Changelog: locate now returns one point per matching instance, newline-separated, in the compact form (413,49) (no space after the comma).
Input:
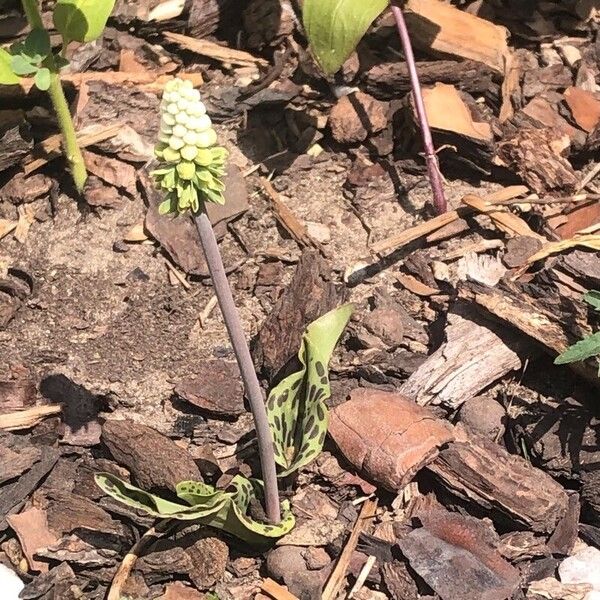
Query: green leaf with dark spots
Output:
(334,28)
(296,407)
(222,509)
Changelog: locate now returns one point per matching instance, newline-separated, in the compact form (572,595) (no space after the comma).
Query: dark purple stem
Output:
(433,168)
(244,360)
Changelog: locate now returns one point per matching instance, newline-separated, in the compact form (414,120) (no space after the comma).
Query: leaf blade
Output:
(81,20)
(334,28)
(7,75)
(581,350)
(593,299)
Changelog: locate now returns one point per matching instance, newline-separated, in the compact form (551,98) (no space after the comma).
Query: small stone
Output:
(583,567)
(180,591)
(283,560)
(120,246)
(318,232)
(10,584)
(357,116)
(316,558)
(483,415)
(386,324)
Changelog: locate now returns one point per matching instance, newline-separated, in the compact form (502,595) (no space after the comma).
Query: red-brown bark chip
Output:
(387,436)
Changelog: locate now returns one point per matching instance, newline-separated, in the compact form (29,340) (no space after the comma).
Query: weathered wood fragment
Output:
(476,353)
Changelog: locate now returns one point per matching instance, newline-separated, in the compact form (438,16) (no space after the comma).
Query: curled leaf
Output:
(222,509)
(296,407)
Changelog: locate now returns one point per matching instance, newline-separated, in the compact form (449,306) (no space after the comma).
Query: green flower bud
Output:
(204,157)
(186,170)
(171,155)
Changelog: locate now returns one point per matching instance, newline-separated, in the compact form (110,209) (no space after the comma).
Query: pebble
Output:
(10,584)
(583,567)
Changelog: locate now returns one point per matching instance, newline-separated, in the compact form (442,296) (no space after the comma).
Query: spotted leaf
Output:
(296,407)
(222,509)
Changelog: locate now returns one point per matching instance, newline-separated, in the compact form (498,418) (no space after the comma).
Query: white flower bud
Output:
(179,130)
(176,143)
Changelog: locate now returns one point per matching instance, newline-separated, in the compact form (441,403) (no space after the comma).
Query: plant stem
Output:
(59,102)
(433,168)
(244,360)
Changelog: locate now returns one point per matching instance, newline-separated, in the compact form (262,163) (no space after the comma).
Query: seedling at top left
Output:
(76,21)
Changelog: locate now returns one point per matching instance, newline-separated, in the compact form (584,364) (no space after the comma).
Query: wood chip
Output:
(215,51)
(447,111)
(440,27)
(24,419)
(584,106)
(276,591)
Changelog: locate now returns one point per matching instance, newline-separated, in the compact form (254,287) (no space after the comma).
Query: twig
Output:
(433,168)
(362,576)
(23,419)
(339,572)
(129,560)
(207,310)
(244,360)
(273,589)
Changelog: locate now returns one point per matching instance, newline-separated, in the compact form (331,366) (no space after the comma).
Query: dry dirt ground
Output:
(116,324)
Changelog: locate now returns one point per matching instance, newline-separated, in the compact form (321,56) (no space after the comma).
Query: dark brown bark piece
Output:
(436,560)
(310,294)
(398,581)
(532,318)
(69,513)
(484,473)
(16,457)
(207,15)
(216,389)
(554,77)
(15,141)
(519,249)
(155,461)
(13,496)
(389,80)
(268,22)
(562,541)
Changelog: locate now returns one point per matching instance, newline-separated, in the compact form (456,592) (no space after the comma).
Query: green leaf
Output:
(296,407)
(36,46)
(226,510)
(81,20)
(7,75)
(334,27)
(593,299)
(21,66)
(581,350)
(42,79)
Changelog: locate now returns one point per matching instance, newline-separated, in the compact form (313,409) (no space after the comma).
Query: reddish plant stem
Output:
(433,167)
(244,360)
